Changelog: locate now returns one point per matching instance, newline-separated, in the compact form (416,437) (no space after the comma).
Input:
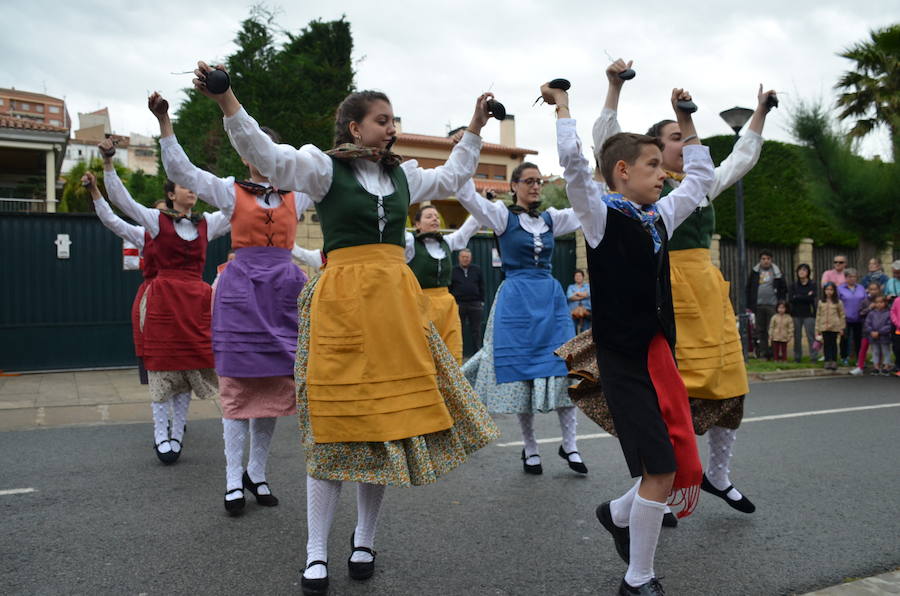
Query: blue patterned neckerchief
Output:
(647,215)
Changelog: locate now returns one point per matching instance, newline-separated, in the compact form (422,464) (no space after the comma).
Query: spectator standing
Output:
(877,328)
(876,274)
(892,286)
(853,297)
(836,274)
(873,290)
(895,336)
(467,286)
(830,323)
(765,288)
(578,295)
(781,328)
(803,308)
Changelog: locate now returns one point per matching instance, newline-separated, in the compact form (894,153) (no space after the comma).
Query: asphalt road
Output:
(106,518)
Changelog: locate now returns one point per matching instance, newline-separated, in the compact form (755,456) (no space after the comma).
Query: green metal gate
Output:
(68,313)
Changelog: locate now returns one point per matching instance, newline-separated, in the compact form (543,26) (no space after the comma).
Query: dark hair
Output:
(624,146)
(655,131)
(517,175)
(881,297)
(418,216)
(276,138)
(787,307)
(834,297)
(765,253)
(353,109)
(876,259)
(804,266)
(168,187)
(578,271)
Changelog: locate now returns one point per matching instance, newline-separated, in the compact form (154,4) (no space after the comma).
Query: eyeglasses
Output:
(532,181)
(839,262)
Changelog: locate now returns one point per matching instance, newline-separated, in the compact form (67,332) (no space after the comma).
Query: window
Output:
(24,106)
(79,153)
(480,175)
(39,107)
(1,101)
(55,123)
(54,109)
(499,177)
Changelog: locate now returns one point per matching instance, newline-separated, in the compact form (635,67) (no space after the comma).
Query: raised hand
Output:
(553,95)
(89,181)
(481,114)
(762,99)
(107,148)
(615,69)
(200,75)
(158,105)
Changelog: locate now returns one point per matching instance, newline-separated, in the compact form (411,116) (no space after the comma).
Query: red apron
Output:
(148,270)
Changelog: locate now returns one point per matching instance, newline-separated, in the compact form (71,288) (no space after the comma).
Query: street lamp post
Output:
(736,118)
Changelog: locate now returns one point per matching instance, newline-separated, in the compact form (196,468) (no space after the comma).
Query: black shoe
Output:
(235,506)
(167,458)
(536,469)
(360,571)
(264,500)
(651,588)
(621,536)
(314,587)
(573,465)
(743,505)
(669,520)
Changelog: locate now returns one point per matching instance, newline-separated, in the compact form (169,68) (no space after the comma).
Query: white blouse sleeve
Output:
(605,126)
(488,214)
(218,192)
(585,194)
(307,256)
(409,250)
(218,224)
(307,170)
(302,202)
(121,198)
(741,160)
(460,238)
(564,221)
(437,183)
(117,225)
(678,205)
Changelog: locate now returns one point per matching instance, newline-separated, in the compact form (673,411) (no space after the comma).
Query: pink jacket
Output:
(895,315)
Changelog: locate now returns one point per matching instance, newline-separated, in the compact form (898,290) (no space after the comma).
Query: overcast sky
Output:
(433,59)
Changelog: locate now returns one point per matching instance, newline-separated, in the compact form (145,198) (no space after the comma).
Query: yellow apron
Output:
(708,346)
(444,313)
(371,376)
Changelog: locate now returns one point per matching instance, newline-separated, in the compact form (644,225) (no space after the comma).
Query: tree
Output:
(293,89)
(76,198)
(871,90)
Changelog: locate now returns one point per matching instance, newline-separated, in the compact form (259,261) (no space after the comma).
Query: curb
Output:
(886,583)
(797,373)
(92,415)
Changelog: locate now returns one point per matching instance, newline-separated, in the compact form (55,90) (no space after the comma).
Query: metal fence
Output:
(15,205)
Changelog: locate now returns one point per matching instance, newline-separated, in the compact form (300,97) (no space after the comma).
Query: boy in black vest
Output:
(626,232)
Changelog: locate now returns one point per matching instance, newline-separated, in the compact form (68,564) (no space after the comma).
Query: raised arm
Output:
(460,238)
(565,221)
(112,222)
(488,214)
(606,124)
(121,198)
(218,223)
(746,151)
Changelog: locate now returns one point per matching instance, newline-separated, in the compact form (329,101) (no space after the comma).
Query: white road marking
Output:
(753,419)
(16,491)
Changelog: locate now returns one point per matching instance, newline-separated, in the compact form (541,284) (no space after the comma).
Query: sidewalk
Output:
(43,400)
(879,585)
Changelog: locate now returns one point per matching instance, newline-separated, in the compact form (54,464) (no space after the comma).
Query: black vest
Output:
(631,294)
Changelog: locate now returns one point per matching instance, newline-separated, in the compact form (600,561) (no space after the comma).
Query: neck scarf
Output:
(647,215)
(194,218)
(260,190)
(350,151)
(676,176)
(433,235)
(532,209)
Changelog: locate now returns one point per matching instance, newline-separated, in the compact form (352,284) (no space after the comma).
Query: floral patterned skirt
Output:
(405,462)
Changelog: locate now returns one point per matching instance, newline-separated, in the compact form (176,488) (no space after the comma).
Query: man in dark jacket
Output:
(765,289)
(467,286)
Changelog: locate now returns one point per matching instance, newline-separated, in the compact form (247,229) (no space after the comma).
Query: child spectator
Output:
(781,328)
(878,328)
(872,290)
(830,323)
(895,336)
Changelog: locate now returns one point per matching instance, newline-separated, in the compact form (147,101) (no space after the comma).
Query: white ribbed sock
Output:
(180,405)
(261,431)
(321,502)
(161,425)
(644,525)
(368,504)
(235,433)
(620,508)
(568,423)
(532,454)
(721,442)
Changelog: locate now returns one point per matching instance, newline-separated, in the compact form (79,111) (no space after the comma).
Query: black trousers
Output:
(852,340)
(471,313)
(829,345)
(764,314)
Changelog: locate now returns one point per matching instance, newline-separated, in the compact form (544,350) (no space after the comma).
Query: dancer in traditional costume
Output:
(254,333)
(175,308)
(627,233)
(516,371)
(708,352)
(428,254)
(381,400)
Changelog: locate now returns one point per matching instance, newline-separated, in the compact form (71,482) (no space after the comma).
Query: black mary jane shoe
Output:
(359,570)
(621,536)
(651,588)
(577,466)
(536,469)
(669,520)
(235,507)
(268,500)
(744,505)
(167,458)
(314,587)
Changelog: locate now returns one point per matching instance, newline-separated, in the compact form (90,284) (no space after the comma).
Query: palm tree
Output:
(871,91)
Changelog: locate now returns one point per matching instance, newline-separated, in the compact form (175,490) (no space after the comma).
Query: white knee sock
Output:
(368,504)
(321,502)
(721,441)
(261,431)
(532,455)
(235,433)
(568,423)
(644,525)
(180,405)
(620,508)
(161,425)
